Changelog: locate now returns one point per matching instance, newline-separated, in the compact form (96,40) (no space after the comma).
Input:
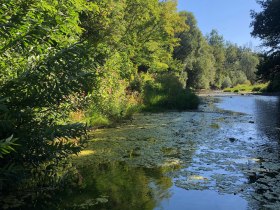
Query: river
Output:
(224,156)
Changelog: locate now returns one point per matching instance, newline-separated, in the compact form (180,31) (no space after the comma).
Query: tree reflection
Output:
(265,178)
(127,167)
(268,117)
(124,187)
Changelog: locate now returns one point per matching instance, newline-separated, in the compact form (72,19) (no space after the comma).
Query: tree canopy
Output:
(266,26)
(211,62)
(266,23)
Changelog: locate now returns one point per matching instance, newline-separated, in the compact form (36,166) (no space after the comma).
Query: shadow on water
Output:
(267,178)
(267,114)
(117,186)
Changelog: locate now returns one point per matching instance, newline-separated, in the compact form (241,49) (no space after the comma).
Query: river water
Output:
(224,156)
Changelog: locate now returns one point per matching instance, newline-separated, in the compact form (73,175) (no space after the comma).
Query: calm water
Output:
(212,159)
(264,110)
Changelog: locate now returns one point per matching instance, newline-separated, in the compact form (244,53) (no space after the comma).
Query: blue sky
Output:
(230,17)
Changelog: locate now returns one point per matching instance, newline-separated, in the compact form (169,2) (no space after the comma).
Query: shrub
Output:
(274,85)
(226,83)
(166,91)
(136,85)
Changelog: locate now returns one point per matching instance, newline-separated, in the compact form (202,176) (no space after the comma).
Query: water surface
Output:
(224,156)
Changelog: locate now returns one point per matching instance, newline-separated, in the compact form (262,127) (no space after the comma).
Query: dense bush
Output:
(43,71)
(167,92)
(226,83)
(274,85)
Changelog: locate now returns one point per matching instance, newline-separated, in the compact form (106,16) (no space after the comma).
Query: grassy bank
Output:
(245,88)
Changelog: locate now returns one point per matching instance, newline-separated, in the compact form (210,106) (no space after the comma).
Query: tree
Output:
(266,26)
(131,37)
(196,55)
(150,33)
(269,70)
(216,41)
(266,23)
(248,63)
(44,74)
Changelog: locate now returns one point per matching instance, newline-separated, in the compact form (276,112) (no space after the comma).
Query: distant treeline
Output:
(211,62)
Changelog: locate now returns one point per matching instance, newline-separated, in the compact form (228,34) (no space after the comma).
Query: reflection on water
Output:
(131,167)
(210,159)
(118,186)
(202,200)
(267,115)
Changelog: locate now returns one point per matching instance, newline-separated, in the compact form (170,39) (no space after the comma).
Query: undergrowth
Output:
(146,92)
